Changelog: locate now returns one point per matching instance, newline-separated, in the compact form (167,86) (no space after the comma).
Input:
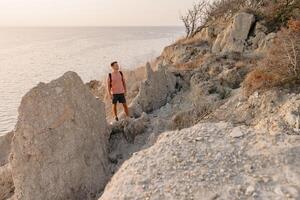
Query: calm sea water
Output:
(32,55)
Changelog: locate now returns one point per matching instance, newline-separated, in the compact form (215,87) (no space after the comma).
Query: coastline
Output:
(40,56)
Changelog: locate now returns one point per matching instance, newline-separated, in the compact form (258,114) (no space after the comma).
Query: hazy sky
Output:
(92,12)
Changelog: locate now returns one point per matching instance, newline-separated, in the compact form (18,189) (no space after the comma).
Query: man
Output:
(116,87)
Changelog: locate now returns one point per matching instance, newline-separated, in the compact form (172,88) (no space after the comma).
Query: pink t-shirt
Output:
(117,86)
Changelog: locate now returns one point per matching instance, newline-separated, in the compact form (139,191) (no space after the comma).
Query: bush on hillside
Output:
(282,63)
(226,9)
(276,13)
(194,63)
(204,12)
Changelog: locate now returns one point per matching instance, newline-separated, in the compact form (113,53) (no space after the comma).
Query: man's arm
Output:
(124,83)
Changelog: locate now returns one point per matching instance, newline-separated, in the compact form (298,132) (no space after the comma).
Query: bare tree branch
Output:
(195,18)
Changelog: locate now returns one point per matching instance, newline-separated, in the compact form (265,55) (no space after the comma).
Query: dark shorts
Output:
(118,98)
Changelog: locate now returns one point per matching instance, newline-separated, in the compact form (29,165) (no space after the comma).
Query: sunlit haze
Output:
(92,12)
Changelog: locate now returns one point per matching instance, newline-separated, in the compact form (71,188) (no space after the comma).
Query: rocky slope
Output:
(193,134)
(239,147)
(211,161)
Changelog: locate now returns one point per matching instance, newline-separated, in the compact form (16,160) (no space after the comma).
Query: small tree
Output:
(195,18)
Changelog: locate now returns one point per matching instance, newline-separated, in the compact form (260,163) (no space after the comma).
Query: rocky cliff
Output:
(211,161)
(194,132)
(235,146)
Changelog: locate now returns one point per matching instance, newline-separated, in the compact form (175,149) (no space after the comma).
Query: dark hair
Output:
(113,63)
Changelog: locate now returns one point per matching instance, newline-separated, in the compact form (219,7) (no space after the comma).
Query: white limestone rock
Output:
(233,38)
(59,148)
(154,92)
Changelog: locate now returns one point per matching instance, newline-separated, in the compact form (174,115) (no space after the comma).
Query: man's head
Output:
(114,65)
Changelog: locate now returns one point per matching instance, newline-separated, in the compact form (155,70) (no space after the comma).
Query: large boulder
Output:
(5,147)
(154,92)
(234,37)
(60,144)
(210,161)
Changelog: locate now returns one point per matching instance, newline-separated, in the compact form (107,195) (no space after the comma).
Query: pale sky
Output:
(92,12)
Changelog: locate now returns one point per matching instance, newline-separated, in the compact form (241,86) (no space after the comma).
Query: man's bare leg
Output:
(126,109)
(115,111)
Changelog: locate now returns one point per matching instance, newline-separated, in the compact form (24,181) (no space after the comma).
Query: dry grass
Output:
(180,40)
(188,41)
(226,9)
(277,13)
(195,63)
(168,52)
(240,64)
(281,65)
(258,79)
(294,25)
(198,38)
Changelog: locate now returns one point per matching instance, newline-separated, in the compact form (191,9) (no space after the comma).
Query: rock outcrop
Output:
(127,136)
(277,111)
(60,143)
(6,182)
(210,161)
(181,53)
(233,38)
(130,128)
(261,40)
(154,92)
(5,147)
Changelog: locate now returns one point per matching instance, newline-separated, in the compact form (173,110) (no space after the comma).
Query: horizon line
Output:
(83,26)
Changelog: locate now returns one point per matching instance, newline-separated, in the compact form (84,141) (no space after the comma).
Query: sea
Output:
(29,55)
